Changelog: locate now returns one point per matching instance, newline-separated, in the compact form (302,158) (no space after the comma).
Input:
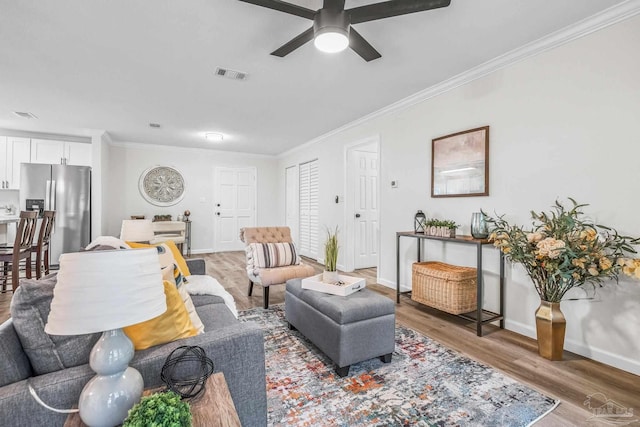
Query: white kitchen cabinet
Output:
(78,154)
(14,151)
(60,152)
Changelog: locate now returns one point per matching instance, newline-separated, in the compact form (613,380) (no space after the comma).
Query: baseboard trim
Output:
(202,251)
(573,346)
(390,284)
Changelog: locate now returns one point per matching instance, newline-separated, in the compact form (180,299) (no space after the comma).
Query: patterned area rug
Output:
(426,384)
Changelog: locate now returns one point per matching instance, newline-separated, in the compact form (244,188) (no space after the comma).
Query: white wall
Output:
(128,161)
(563,123)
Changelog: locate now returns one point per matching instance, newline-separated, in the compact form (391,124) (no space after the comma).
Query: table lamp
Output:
(104,291)
(136,230)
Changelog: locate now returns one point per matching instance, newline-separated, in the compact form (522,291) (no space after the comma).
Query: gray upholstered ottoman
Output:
(348,329)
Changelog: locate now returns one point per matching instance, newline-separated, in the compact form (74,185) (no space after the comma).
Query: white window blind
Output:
(309,209)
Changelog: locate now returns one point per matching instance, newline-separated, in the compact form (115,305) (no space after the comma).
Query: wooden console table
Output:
(214,408)
(479,316)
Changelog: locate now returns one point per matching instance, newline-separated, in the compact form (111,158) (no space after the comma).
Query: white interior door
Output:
(291,201)
(308,209)
(364,165)
(235,206)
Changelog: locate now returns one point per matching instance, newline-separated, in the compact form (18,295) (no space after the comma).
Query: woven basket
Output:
(443,286)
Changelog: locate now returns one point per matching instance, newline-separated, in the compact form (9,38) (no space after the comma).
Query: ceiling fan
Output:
(332,29)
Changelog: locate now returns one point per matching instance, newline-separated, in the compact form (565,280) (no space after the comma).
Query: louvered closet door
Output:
(308,216)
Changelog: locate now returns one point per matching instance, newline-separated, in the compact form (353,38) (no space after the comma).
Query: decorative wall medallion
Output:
(161,186)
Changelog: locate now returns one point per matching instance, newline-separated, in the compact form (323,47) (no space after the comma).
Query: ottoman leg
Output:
(343,372)
(386,358)
(291,327)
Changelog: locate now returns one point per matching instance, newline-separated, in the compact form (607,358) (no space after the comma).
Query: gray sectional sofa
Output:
(57,367)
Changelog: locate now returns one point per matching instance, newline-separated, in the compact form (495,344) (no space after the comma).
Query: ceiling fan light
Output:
(331,41)
(214,136)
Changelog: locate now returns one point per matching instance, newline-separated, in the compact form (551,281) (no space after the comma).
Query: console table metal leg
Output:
(479,286)
(397,269)
(502,280)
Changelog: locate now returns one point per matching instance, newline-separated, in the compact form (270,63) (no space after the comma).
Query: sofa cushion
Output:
(30,308)
(15,364)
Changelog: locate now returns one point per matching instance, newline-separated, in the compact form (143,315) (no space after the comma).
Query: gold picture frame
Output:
(460,164)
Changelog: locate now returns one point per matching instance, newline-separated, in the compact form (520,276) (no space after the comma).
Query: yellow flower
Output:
(576,276)
(605,263)
(534,237)
(506,249)
(593,271)
(578,262)
(621,261)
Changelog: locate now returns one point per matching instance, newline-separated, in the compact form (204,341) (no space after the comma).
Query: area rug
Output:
(426,384)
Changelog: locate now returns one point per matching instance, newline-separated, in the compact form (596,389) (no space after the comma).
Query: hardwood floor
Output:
(570,380)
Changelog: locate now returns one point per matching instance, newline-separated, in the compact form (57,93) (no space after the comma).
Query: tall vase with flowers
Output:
(563,250)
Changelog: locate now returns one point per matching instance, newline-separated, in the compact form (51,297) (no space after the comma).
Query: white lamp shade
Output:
(136,230)
(105,290)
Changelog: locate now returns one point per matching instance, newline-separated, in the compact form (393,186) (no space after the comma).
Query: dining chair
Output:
(20,250)
(41,248)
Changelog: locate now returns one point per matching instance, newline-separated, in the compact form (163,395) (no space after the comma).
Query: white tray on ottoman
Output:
(350,285)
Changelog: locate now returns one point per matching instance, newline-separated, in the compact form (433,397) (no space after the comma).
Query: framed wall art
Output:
(460,164)
(161,186)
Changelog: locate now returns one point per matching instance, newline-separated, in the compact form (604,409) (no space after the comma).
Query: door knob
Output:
(218,204)
(357,215)
(218,213)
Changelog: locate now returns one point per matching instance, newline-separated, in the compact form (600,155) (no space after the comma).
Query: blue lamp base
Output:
(107,397)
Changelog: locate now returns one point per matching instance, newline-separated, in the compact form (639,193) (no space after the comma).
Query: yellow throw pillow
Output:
(172,325)
(177,255)
(172,249)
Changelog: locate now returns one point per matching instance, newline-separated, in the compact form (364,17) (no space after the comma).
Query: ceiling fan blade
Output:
(295,43)
(333,4)
(361,46)
(284,7)
(387,9)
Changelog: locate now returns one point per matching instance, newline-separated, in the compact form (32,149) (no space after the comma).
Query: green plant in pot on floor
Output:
(563,250)
(330,274)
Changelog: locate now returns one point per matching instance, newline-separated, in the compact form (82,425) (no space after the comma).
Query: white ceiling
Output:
(117,65)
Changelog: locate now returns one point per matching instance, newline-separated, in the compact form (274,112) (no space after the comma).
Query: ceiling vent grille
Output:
(231,74)
(25,115)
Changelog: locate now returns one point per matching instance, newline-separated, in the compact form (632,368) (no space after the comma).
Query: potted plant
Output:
(164,409)
(330,274)
(441,228)
(561,251)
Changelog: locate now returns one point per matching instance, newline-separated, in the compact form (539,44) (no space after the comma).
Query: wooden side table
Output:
(214,408)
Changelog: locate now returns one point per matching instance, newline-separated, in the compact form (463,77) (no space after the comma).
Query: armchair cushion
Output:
(279,275)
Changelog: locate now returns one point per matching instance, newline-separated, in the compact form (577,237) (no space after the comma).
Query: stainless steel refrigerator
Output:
(66,190)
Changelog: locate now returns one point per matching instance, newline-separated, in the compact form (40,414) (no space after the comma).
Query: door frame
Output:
(295,228)
(213,202)
(349,205)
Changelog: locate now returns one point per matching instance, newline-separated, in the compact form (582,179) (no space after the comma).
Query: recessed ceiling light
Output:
(154,125)
(25,115)
(214,136)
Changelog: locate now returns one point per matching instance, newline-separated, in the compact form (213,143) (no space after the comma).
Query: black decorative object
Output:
(186,370)
(419,222)
(479,229)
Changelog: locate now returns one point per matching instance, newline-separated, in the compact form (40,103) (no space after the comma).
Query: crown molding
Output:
(164,147)
(606,18)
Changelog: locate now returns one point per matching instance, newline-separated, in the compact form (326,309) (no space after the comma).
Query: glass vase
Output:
(479,229)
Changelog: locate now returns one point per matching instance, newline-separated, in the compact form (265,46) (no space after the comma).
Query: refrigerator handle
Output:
(47,196)
(53,196)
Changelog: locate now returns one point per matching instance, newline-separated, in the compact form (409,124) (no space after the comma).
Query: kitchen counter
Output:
(8,219)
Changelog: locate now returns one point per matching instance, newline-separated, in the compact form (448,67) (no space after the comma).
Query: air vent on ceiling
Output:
(231,74)
(25,115)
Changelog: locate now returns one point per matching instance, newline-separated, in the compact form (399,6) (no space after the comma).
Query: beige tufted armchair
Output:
(270,276)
